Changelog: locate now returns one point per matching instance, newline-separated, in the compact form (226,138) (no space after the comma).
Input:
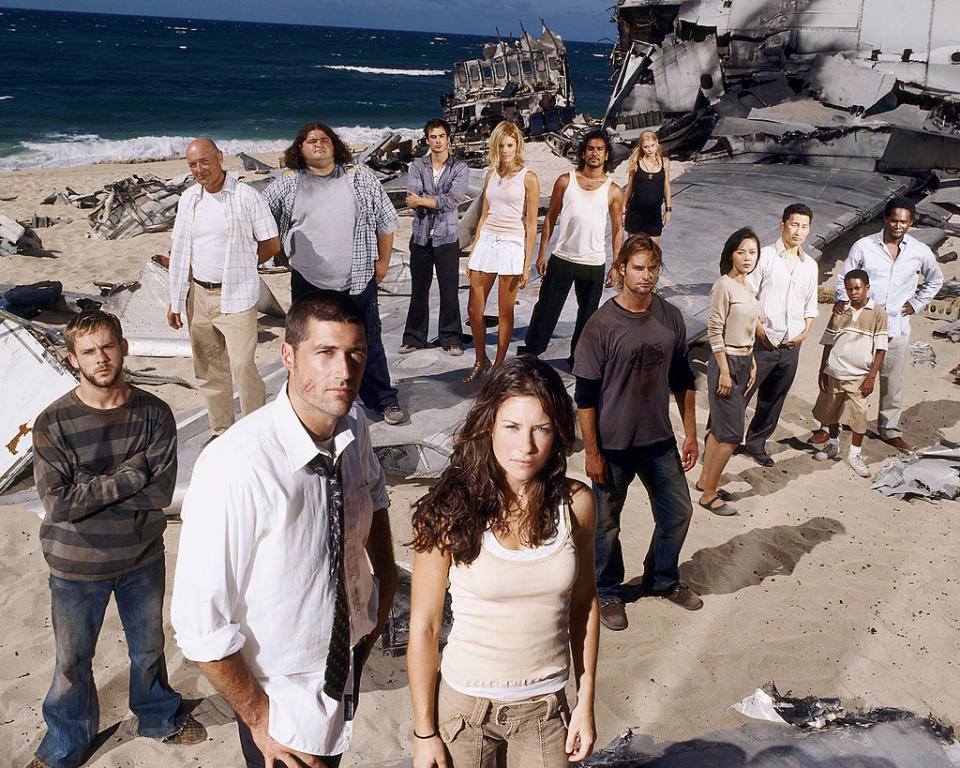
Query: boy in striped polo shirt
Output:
(105,464)
(854,344)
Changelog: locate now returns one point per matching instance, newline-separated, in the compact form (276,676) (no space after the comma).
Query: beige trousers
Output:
(223,355)
(532,732)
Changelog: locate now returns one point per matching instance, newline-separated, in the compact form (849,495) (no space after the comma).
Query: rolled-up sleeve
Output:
(214,548)
(263,224)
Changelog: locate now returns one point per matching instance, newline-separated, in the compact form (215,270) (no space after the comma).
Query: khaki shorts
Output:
(534,731)
(842,403)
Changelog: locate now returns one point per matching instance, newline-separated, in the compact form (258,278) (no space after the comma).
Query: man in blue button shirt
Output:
(435,189)
(893,259)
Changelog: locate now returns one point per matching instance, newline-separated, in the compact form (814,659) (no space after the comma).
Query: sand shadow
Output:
(210,711)
(748,559)
(920,422)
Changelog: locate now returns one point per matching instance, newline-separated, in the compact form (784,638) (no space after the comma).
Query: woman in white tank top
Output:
(503,244)
(514,537)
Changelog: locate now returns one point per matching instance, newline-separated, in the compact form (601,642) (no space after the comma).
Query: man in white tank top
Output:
(581,200)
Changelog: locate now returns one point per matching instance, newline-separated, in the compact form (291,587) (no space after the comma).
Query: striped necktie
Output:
(338,654)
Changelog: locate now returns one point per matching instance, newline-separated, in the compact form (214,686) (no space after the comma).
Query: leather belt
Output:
(208,286)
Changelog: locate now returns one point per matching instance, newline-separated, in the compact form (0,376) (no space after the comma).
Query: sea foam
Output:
(387,70)
(60,150)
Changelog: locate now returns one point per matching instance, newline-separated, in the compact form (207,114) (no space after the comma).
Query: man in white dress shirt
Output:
(261,576)
(893,259)
(222,232)
(786,284)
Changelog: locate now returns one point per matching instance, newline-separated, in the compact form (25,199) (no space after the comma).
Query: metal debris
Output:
(931,473)
(526,81)
(923,354)
(950,331)
(33,377)
(136,205)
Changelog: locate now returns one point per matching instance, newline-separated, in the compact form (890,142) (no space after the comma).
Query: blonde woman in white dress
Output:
(504,242)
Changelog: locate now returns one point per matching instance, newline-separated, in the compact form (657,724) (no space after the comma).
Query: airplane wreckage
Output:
(526,82)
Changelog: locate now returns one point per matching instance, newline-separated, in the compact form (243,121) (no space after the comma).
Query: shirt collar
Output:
(782,249)
(229,185)
(297,442)
(904,243)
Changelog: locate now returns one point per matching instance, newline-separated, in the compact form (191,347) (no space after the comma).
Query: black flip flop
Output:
(721,494)
(724,510)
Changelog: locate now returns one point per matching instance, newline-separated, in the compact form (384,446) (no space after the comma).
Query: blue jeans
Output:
(71,709)
(661,472)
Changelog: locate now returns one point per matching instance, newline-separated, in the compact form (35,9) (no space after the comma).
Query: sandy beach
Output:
(820,584)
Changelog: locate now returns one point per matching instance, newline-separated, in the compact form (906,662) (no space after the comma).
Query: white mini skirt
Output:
(496,253)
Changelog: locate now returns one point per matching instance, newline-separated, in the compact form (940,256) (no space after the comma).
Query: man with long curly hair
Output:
(336,226)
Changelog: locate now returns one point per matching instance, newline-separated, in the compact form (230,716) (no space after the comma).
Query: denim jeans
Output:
(661,472)
(376,392)
(71,709)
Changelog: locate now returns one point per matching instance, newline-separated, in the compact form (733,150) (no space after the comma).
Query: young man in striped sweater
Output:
(105,464)
(854,345)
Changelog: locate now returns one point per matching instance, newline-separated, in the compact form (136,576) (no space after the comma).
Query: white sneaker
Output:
(858,466)
(829,451)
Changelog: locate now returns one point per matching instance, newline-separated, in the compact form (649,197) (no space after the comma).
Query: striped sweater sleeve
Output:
(69,495)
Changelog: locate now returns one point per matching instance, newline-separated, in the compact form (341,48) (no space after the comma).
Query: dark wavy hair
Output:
(582,151)
(733,242)
(473,494)
(293,157)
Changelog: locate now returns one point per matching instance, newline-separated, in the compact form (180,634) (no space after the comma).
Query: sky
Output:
(586,20)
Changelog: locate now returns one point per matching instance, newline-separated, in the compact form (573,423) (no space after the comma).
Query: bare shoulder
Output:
(562,182)
(584,506)
(530,179)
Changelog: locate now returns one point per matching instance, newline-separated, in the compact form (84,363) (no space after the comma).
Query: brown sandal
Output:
(479,368)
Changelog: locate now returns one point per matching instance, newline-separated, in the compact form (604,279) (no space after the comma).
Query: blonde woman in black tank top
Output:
(646,204)
(506,477)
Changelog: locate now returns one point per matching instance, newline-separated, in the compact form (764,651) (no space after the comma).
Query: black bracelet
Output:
(668,208)
(428,736)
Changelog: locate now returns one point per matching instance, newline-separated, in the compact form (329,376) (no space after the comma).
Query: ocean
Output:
(81,88)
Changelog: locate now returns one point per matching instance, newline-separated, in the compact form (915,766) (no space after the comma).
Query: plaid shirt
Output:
(248,223)
(375,214)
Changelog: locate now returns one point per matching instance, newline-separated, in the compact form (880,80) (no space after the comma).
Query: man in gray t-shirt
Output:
(336,224)
(631,355)
(320,248)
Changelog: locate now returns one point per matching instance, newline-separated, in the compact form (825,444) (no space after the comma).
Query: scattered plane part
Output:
(135,205)
(252,164)
(923,354)
(109,289)
(930,473)
(33,378)
(950,331)
(526,81)
(154,379)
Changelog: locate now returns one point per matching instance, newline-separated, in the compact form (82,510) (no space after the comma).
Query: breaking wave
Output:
(4,98)
(388,70)
(60,150)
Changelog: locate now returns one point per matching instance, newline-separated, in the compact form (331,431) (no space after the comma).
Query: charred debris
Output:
(851,84)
